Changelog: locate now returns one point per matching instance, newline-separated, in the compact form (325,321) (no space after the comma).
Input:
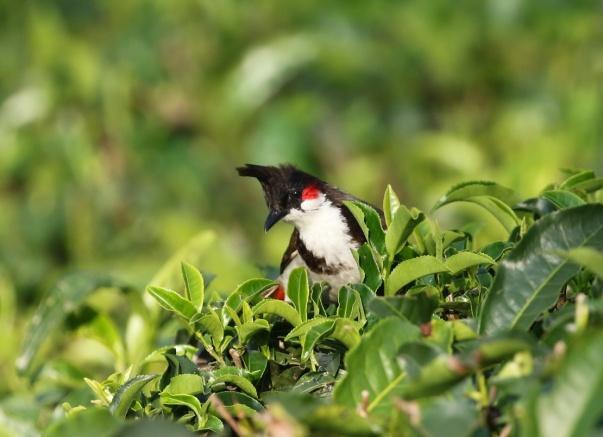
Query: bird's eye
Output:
(295,193)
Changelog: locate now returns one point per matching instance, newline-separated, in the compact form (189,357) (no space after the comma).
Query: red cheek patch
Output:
(311,192)
(279,293)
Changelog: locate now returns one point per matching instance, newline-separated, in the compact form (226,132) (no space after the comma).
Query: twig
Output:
(236,357)
(223,412)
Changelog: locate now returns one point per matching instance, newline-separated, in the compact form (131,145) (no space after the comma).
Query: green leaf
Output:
(92,422)
(417,305)
(472,189)
(314,335)
(373,366)
(194,284)
(390,204)
(367,259)
(298,291)
(463,260)
(346,332)
(575,402)
(188,384)
(530,278)
(185,400)
(370,222)
(348,303)
(301,329)
(411,270)
(248,329)
(128,393)
(563,199)
(586,257)
(172,301)
(589,186)
(279,308)
(66,296)
(246,291)
(494,198)
(232,376)
(401,227)
(236,402)
(578,178)
(210,324)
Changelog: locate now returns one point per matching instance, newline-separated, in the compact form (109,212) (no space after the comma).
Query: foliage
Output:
(441,335)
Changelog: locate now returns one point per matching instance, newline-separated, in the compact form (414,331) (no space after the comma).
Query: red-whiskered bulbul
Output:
(325,230)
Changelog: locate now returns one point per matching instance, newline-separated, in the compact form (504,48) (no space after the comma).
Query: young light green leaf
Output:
(185,400)
(279,308)
(370,222)
(577,178)
(248,329)
(314,335)
(411,270)
(472,189)
(211,324)
(248,290)
(128,393)
(172,301)
(233,379)
(563,199)
(301,329)
(298,291)
(400,228)
(373,366)
(346,332)
(368,261)
(588,258)
(575,402)
(188,384)
(348,303)
(530,278)
(390,204)
(463,260)
(194,285)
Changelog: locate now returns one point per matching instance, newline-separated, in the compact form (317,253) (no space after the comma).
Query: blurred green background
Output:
(121,122)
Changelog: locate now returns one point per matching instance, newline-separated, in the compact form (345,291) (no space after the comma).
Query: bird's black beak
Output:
(273,218)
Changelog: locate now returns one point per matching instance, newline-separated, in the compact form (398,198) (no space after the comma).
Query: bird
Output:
(325,231)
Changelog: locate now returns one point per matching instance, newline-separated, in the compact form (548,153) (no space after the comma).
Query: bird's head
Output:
(290,193)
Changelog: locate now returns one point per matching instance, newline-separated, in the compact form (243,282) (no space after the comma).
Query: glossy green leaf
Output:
(401,227)
(574,403)
(301,329)
(232,400)
(185,400)
(373,366)
(233,378)
(390,204)
(411,270)
(463,260)
(66,296)
(298,291)
(472,189)
(531,276)
(577,178)
(128,393)
(417,305)
(211,324)
(194,285)
(172,301)
(367,259)
(248,329)
(373,229)
(346,332)
(279,308)
(314,335)
(248,290)
(563,199)
(588,258)
(348,303)
(188,384)
(589,186)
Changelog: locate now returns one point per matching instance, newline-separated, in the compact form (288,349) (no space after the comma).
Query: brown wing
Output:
(291,249)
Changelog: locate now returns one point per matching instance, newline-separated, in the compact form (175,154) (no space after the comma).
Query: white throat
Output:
(324,231)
